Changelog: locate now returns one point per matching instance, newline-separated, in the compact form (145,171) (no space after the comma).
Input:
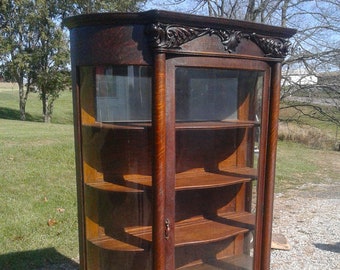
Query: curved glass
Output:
(116,151)
(217,132)
(123,93)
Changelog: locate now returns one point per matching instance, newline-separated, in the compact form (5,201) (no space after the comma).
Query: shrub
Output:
(311,136)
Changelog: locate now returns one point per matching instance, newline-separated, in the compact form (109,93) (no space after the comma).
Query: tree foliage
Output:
(34,48)
(75,7)
(16,47)
(51,57)
(34,51)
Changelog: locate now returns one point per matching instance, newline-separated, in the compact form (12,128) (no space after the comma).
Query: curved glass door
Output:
(218,120)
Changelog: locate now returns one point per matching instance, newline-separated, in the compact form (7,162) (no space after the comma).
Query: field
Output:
(37,179)
(315,132)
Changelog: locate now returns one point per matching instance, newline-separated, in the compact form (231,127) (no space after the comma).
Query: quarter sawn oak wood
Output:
(175,120)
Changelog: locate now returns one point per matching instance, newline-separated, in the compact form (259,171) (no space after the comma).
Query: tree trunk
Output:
(284,13)
(48,115)
(212,12)
(47,118)
(44,100)
(250,11)
(22,101)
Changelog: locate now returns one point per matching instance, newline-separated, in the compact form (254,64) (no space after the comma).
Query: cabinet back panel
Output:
(117,152)
(206,148)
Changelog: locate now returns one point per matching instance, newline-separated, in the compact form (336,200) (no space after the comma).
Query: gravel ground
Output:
(309,218)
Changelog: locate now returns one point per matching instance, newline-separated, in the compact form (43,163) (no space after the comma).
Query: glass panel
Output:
(210,94)
(123,93)
(117,166)
(218,115)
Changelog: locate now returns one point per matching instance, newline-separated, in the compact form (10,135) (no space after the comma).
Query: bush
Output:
(310,136)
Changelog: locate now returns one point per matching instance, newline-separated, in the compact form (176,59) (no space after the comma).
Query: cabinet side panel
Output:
(110,45)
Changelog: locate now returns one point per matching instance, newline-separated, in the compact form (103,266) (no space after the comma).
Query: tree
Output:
(33,46)
(315,48)
(51,57)
(16,47)
(74,7)
(34,51)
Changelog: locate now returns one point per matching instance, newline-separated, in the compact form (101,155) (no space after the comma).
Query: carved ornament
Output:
(275,47)
(172,36)
(169,36)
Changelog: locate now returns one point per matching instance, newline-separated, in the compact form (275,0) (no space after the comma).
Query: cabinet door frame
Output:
(173,61)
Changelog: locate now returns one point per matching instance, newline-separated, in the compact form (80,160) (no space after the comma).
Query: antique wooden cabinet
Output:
(175,128)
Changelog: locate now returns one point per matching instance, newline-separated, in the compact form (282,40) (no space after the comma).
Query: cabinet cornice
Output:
(172,36)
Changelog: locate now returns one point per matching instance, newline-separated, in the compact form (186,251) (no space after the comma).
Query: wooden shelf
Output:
(192,125)
(123,126)
(193,179)
(110,243)
(239,262)
(206,230)
(200,179)
(197,230)
(110,187)
(210,125)
(130,184)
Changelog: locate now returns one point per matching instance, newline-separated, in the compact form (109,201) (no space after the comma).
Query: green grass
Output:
(37,184)
(298,165)
(9,106)
(37,181)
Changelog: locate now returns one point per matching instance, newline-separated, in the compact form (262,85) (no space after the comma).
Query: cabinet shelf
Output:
(110,243)
(234,262)
(212,125)
(130,184)
(200,179)
(197,230)
(181,125)
(201,230)
(110,187)
(193,179)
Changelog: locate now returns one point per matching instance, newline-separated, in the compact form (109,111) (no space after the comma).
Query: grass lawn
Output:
(298,165)
(37,179)
(37,182)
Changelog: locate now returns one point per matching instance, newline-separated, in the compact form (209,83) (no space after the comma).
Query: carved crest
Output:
(272,47)
(229,38)
(173,36)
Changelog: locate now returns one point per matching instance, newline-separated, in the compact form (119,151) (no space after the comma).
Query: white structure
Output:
(298,76)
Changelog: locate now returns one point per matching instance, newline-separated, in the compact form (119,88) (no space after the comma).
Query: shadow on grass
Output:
(11,114)
(47,258)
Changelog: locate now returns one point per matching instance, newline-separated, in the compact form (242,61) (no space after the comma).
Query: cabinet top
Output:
(161,16)
(167,30)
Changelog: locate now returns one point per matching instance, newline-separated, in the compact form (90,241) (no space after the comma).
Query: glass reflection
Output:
(123,93)
(218,115)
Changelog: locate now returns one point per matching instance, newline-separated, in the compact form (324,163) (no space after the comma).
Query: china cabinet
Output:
(175,127)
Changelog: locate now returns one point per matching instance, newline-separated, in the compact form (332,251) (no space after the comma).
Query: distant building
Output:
(300,77)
